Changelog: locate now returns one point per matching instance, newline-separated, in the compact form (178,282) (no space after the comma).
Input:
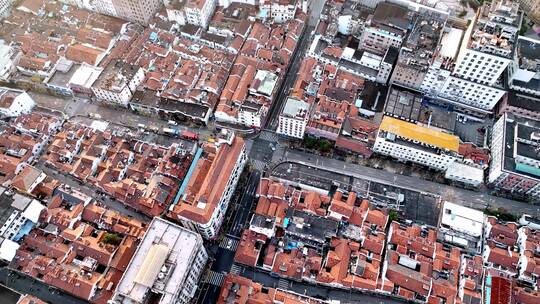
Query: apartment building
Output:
(430,147)
(515,152)
(294,118)
(279,11)
(531,9)
(524,74)
(419,48)
(469,74)
(410,142)
(204,195)
(9,56)
(15,102)
(140,11)
(165,268)
(387,27)
(461,226)
(118,82)
(5,6)
(195,12)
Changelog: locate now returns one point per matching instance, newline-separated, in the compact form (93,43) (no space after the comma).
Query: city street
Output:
(316,291)
(25,284)
(238,215)
(74,107)
(290,76)
(473,199)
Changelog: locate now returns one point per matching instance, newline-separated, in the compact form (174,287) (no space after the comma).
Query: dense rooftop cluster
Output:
(400,79)
(142,175)
(343,241)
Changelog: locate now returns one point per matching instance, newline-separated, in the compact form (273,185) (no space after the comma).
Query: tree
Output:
(324,145)
(392,216)
(112,239)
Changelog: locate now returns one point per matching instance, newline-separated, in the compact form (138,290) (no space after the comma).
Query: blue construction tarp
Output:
(25,229)
(188,175)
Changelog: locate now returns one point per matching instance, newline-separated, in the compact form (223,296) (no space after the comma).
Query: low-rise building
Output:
(165,267)
(279,11)
(83,79)
(410,142)
(501,251)
(205,193)
(419,48)
(417,267)
(240,290)
(462,226)
(15,102)
(65,251)
(465,174)
(430,147)
(20,215)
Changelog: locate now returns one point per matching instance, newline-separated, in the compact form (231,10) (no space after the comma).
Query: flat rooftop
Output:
(309,227)
(528,74)
(295,108)
(61,78)
(522,139)
(391,14)
(495,31)
(403,103)
(164,244)
(423,39)
(115,76)
(421,134)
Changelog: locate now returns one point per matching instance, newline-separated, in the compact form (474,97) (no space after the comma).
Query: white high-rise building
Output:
(195,12)
(5,6)
(140,11)
(515,156)
(294,118)
(468,67)
(167,263)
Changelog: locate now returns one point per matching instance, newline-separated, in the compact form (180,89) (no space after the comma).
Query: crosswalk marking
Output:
(214,278)
(225,242)
(259,165)
(269,136)
(283,284)
(236,269)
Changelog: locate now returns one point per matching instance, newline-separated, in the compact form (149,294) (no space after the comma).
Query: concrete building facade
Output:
(515,152)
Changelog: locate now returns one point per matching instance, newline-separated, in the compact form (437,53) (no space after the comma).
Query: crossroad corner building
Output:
(165,268)
(204,195)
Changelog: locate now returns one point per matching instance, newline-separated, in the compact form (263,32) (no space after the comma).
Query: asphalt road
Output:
(28,285)
(8,296)
(290,78)
(473,199)
(238,215)
(316,291)
(73,107)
